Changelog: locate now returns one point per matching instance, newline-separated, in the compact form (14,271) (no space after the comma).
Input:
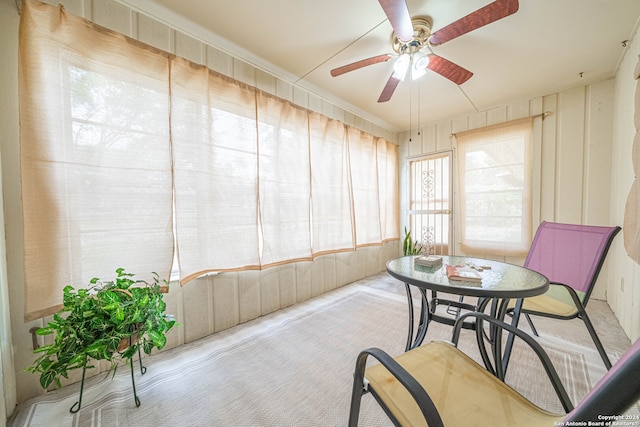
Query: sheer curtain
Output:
(494,172)
(365,186)
(387,158)
(8,400)
(332,213)
(284,176)
(631,226)
(128,152)
(215,150)
(95,155)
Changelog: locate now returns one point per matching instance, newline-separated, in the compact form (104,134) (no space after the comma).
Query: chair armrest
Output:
(420,396)
(497,351)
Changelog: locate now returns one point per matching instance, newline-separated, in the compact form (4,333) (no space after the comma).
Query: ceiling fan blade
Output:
(360,64)
(398,15)
(448,69)
(481,17)
(388,90)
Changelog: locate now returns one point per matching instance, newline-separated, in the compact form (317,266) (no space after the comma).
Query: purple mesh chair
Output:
(571,257)
(618,389)
(436,384)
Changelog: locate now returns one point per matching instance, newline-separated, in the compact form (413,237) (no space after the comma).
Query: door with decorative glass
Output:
(430,202)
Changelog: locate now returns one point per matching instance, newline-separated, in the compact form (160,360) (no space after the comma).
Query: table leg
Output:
(410,304)
(514,322)
(498,310)
(423,323)
(425,318)
(481,335)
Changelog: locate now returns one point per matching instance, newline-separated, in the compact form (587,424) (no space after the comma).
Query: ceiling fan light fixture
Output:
(416,73)
(419,66)
(420,60)
(401,67)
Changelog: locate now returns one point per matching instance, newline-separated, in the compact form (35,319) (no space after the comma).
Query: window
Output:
(494,165)
(129,153)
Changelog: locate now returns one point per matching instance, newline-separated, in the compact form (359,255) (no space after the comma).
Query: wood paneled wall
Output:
(214,303)
(571,156)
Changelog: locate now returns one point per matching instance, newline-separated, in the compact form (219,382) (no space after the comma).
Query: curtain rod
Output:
(543,115)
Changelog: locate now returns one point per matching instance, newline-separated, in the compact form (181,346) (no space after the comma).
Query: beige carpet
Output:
(290,368)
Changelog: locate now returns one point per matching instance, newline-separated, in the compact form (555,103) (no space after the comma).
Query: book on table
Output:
(429,260)
(463,274)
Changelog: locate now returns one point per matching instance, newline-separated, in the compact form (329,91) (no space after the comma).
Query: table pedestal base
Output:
(498,309)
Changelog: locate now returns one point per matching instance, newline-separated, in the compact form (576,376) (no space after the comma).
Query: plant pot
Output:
(127,342)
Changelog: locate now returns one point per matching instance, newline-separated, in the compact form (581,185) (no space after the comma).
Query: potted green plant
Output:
(109,321)
(409,246)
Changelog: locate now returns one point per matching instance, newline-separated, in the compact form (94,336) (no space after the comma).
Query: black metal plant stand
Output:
(76,406)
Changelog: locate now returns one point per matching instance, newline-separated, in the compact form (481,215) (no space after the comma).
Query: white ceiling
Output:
(544,48)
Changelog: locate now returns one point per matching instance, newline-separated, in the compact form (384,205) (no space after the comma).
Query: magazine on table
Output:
(463,274)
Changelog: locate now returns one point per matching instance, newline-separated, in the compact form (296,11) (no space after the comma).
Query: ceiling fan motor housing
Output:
(421,34)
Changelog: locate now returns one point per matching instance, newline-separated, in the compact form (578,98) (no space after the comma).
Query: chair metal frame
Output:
(422,398)
(618,390)
(608,234)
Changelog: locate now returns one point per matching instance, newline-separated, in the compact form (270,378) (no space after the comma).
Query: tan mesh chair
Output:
(438,385)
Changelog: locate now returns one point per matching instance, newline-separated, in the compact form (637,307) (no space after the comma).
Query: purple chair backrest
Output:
(570,254)
(618,389)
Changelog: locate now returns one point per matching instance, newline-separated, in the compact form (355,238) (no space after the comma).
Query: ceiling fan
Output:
(412,40)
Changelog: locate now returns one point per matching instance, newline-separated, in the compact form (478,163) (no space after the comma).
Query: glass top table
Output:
(501,282)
